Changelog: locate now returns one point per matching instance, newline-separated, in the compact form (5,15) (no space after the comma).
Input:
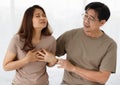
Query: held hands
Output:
(46,56)
(31,56)
(41,55)
(50,58)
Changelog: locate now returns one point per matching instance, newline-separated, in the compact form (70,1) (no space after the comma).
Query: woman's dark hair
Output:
(101,9)
(26,30)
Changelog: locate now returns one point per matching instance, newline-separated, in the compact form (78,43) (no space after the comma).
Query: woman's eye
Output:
(37,16)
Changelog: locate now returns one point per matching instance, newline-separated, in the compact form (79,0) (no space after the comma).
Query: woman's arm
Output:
(10,63)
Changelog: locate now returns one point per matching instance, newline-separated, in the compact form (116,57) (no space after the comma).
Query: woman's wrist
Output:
(53,62)
(56,61)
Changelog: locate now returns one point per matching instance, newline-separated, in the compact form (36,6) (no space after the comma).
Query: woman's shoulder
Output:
(15,37)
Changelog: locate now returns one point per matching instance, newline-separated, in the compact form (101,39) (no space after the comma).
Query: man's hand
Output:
(65,64)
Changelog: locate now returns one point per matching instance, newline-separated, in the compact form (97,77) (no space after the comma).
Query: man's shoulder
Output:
(109,39)
(70,33)
(73,31)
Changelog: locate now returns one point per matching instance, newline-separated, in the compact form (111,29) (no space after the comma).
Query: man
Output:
(91,53)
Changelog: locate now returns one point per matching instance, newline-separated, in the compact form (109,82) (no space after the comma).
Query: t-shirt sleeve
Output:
(60,46)
(52,47)
(12,45)
(109,61)
(63,41)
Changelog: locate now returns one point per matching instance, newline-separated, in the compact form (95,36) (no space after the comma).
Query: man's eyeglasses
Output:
(89,18)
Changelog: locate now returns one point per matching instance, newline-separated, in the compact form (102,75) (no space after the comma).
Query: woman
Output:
(22,53)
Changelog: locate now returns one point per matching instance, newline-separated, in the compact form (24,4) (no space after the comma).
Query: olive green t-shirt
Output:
(33,73)
(86,52)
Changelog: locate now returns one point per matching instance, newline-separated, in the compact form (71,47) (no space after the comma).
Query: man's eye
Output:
(86,16)
(91,18)
(44,15)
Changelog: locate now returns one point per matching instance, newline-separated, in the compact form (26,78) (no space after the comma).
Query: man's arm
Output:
(94,76)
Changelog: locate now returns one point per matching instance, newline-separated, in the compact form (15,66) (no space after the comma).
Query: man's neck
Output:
(95,34)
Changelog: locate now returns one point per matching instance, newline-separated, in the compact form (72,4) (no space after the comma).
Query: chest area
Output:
(83,52)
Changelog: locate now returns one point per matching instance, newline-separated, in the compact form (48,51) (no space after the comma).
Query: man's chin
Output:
(86,29)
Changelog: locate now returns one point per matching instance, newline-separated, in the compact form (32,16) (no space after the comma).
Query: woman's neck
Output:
(36,37)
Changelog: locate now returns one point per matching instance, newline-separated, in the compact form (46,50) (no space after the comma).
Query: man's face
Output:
(91,21)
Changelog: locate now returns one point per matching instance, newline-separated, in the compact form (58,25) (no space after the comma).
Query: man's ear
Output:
(103,22)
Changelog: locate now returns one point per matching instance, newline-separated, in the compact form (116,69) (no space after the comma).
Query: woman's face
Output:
(39,19)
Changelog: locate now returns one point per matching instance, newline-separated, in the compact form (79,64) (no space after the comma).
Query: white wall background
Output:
(62,15)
